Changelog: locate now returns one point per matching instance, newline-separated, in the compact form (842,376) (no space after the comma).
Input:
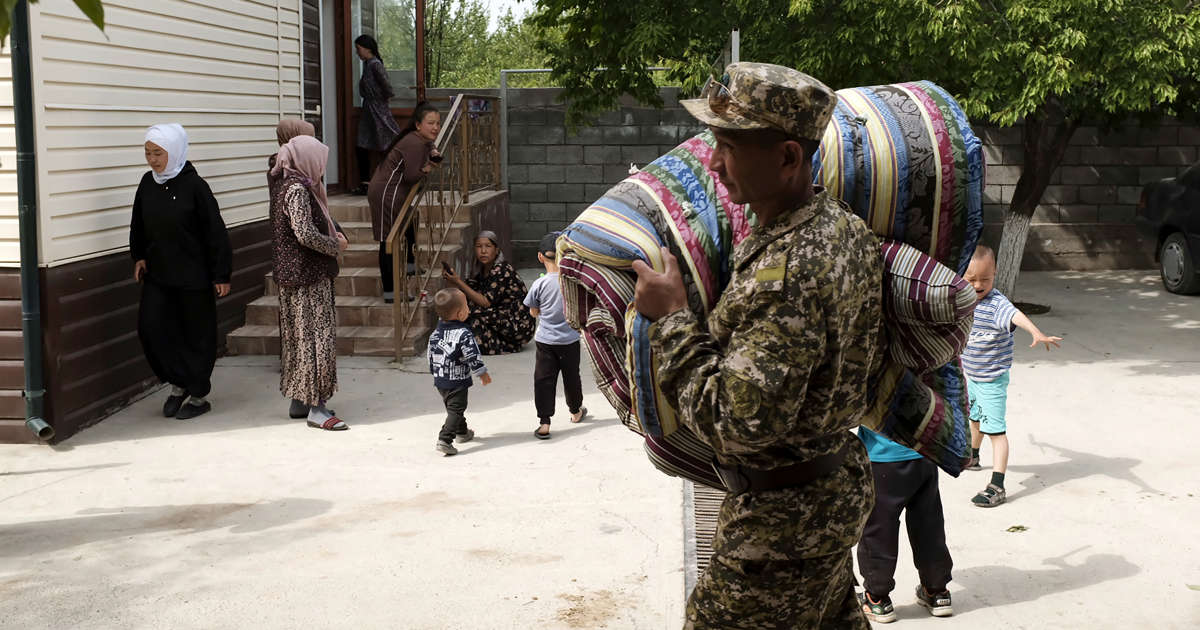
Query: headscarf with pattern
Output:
(305,157)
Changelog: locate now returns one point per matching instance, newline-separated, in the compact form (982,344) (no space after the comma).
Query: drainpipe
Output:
(31,316)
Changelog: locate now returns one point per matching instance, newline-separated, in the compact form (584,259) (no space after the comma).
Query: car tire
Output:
(1176,265)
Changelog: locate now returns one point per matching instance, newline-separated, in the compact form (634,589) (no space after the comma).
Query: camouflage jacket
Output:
(779,374)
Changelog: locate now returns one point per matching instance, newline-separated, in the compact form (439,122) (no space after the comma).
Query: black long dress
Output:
(177,229)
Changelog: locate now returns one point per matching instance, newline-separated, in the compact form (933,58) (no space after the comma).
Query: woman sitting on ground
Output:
(499,318)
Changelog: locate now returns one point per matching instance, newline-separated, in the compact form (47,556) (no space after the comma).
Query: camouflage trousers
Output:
(781,558)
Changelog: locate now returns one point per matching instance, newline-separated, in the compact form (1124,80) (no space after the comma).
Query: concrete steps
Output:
(359,232)
(351,282)
(351,311)
(368,341)
(365,322)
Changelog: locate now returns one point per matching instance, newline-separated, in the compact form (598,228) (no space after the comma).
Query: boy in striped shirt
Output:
(986,361)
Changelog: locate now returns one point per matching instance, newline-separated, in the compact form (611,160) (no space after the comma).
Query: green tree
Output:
(91,8)
(462,53)
(1053,64)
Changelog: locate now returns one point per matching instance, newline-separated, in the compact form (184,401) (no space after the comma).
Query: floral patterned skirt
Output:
(308,342)
(500,330)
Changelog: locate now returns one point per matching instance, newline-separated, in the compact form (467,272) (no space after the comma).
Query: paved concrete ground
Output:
(244,518)
(1104,472)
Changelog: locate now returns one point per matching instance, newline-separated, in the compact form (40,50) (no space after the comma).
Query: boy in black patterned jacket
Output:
(453,359)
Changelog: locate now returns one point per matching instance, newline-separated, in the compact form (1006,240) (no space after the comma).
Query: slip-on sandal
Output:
(332,424)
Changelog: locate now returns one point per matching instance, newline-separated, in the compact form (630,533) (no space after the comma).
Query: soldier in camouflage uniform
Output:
(777,376)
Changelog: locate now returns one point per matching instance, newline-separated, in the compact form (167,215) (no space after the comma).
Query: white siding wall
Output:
(9,242)
(225,69)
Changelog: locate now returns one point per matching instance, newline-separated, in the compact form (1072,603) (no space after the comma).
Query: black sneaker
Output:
(938,604)
(171,407)
(447,448)
(465,437)
(880,611)
(190,410)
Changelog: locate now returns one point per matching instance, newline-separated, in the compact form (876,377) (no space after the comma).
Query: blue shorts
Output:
(988,402)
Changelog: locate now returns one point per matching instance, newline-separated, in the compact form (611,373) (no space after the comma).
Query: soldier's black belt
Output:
(739,479)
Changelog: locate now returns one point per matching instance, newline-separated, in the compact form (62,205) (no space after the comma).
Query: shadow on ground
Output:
(995,585)
(105,524)
(558,433)
(1115,316)
(1078,465)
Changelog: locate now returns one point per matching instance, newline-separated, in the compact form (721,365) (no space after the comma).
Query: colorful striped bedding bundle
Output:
(934,217)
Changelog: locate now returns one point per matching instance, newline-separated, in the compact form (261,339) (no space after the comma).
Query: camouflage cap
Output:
(766,96)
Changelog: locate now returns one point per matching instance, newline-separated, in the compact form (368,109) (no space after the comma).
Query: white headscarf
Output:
(173,139)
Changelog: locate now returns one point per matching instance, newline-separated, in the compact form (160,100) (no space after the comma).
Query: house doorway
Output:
(331,70)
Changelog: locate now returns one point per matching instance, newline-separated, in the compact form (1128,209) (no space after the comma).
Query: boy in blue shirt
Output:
(557,344)
(453,359)
(986,362)
(904,482)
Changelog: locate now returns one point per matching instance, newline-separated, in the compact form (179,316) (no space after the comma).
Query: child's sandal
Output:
(991,496)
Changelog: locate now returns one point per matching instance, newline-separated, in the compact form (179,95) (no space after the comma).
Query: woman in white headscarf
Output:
(183,259)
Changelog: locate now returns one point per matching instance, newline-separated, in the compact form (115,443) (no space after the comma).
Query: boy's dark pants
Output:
(456,405)
(551,360)
(912,487)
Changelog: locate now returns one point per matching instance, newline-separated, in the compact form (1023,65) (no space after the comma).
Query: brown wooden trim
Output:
(10,284)
(419,27)
(12,374)
(342,52)
(10,314)
(93,359)
(13,431)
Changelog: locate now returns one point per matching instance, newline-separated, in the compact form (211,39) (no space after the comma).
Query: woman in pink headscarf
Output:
(305,246)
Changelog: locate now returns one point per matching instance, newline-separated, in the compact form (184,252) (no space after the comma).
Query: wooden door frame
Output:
(346,80)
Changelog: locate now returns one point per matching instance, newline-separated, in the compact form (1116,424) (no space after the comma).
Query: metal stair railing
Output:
(470,146)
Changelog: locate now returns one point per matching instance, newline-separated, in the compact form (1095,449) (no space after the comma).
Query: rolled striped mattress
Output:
(905,159)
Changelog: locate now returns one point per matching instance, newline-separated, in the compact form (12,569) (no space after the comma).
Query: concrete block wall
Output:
(554,173)
(1084,222)
(1086,218)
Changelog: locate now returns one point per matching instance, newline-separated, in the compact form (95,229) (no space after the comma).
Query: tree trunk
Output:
(1044,140)
(1012,247)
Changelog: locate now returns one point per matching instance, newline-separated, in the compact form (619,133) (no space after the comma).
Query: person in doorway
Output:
(986,361)
(408,161)
(776,376)
(496,293)
(904,482)
(183,259)
(377,128)
(305,244)
(557,344)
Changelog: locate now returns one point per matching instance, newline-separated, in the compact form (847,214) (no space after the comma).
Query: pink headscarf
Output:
(304,157)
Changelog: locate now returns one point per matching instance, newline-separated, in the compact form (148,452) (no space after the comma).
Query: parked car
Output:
(1168,215)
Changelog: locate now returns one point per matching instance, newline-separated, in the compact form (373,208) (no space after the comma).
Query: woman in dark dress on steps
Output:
(377,128)
(407,162)
(183,259)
